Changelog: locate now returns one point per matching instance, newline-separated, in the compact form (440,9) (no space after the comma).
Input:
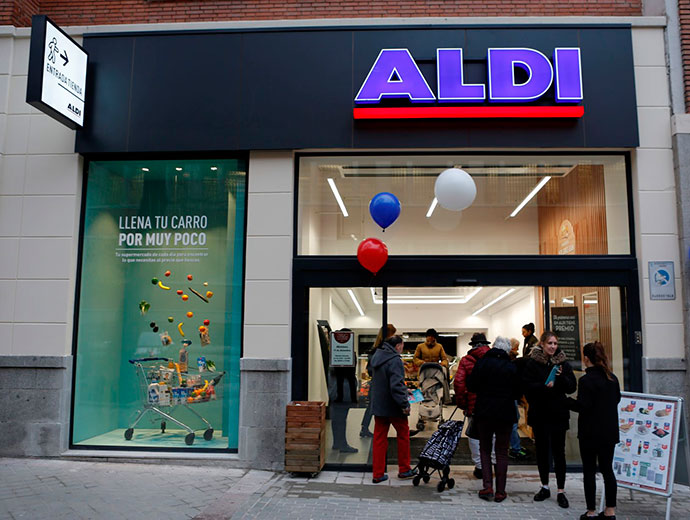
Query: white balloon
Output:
(455,189)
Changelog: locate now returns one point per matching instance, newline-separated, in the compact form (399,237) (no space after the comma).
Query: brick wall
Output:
(95,12)
(684,15)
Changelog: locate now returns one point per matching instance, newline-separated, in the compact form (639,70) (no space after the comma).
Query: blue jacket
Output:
(388,390)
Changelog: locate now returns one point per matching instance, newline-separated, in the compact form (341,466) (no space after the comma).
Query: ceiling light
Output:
(509,291)
(144,169)
(531,194)
(432,207)
(424,299)
(568,300)
(354,300)
(178,169)
(336,194)
(214,168)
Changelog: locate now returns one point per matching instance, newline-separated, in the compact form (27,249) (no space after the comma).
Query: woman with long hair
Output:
(548,413)
(382,336)
(597,401)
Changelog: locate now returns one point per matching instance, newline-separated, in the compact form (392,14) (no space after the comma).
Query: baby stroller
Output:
(433,385)
(437,454)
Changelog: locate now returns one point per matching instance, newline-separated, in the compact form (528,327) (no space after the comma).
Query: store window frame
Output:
(241,156)
(442,271)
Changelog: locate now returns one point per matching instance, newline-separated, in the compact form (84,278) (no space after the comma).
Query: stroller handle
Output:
(148,359)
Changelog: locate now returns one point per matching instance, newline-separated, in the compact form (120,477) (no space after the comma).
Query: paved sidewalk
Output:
(57,489)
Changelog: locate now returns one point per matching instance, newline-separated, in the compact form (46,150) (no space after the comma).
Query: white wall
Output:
(654,193)
(268,287)
(40,194)
(508,321)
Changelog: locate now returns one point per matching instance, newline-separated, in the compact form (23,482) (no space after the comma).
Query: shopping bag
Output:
(472,430)
(415,396)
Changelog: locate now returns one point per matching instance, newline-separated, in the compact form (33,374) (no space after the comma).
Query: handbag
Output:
(472,430)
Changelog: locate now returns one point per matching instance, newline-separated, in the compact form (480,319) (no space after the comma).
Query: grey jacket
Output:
(388,390)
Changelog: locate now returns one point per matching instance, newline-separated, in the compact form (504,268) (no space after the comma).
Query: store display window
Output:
(158,339)
(524,205)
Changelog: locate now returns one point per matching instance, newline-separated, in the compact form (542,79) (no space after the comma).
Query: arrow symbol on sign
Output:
(64,57)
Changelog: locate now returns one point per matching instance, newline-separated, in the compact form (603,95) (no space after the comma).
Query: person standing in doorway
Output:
(530,339)
(517,452)
(548,413)
(597,401)
(383,335)
(495,381)
(390,405)
(431,351)
(466,399)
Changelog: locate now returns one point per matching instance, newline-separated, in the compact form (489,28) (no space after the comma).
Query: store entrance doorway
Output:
(577,314)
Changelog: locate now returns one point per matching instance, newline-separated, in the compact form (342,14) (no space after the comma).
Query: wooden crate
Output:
(305,436)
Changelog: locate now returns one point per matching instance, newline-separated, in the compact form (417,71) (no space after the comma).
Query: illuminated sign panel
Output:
(514,75)
(57,73)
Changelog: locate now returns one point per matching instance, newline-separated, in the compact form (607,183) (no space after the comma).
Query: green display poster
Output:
(161,277)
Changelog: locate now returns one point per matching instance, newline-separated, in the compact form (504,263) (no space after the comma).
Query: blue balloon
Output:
(384,209)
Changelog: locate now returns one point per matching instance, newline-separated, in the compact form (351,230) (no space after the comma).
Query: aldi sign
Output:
(57,73)
(515,76)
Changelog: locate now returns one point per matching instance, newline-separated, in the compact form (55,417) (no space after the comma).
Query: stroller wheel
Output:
(128,433)
(208,434)
(420,425)
(163,426)
(426,478)
(441,486)
(189,439)
(451,483)
(415,481)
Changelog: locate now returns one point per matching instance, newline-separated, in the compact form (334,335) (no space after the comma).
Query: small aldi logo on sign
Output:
(516,77)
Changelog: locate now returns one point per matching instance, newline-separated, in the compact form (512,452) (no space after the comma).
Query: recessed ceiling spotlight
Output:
(178,169)
(144,169)
(214,168)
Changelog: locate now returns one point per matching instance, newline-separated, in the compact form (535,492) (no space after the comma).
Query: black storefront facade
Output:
(289,95)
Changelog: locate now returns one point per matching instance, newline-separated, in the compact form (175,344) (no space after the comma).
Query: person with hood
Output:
(530,339)
(495,381)
(390,405)
(597,401)
(466,399)
(380,338)
(548,413)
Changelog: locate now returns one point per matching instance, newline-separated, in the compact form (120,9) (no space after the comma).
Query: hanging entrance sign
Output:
(57,73)
(342,348)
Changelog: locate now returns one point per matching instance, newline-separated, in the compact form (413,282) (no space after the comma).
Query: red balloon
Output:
(372,254)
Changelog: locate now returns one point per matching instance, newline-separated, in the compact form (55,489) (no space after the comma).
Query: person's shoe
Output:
(408,474)
(348,449)
(383,478)
(477,473)
(520,454)
(500,497)
(602,515)
(562,500)
(413,433)
(365,433)
(486,494)
(542,494)
(585,516)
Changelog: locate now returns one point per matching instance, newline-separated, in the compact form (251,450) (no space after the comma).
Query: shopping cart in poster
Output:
(165,388)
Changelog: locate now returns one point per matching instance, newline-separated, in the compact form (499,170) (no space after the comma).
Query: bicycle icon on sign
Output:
(54,51)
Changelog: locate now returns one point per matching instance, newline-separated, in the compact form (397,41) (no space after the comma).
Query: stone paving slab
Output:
(58,488)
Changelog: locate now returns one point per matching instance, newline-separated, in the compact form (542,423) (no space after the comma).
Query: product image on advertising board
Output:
(648,433)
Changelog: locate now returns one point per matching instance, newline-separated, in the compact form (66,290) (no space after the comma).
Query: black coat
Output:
(597,402)
(547,406)
(495,381)
(388,392)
